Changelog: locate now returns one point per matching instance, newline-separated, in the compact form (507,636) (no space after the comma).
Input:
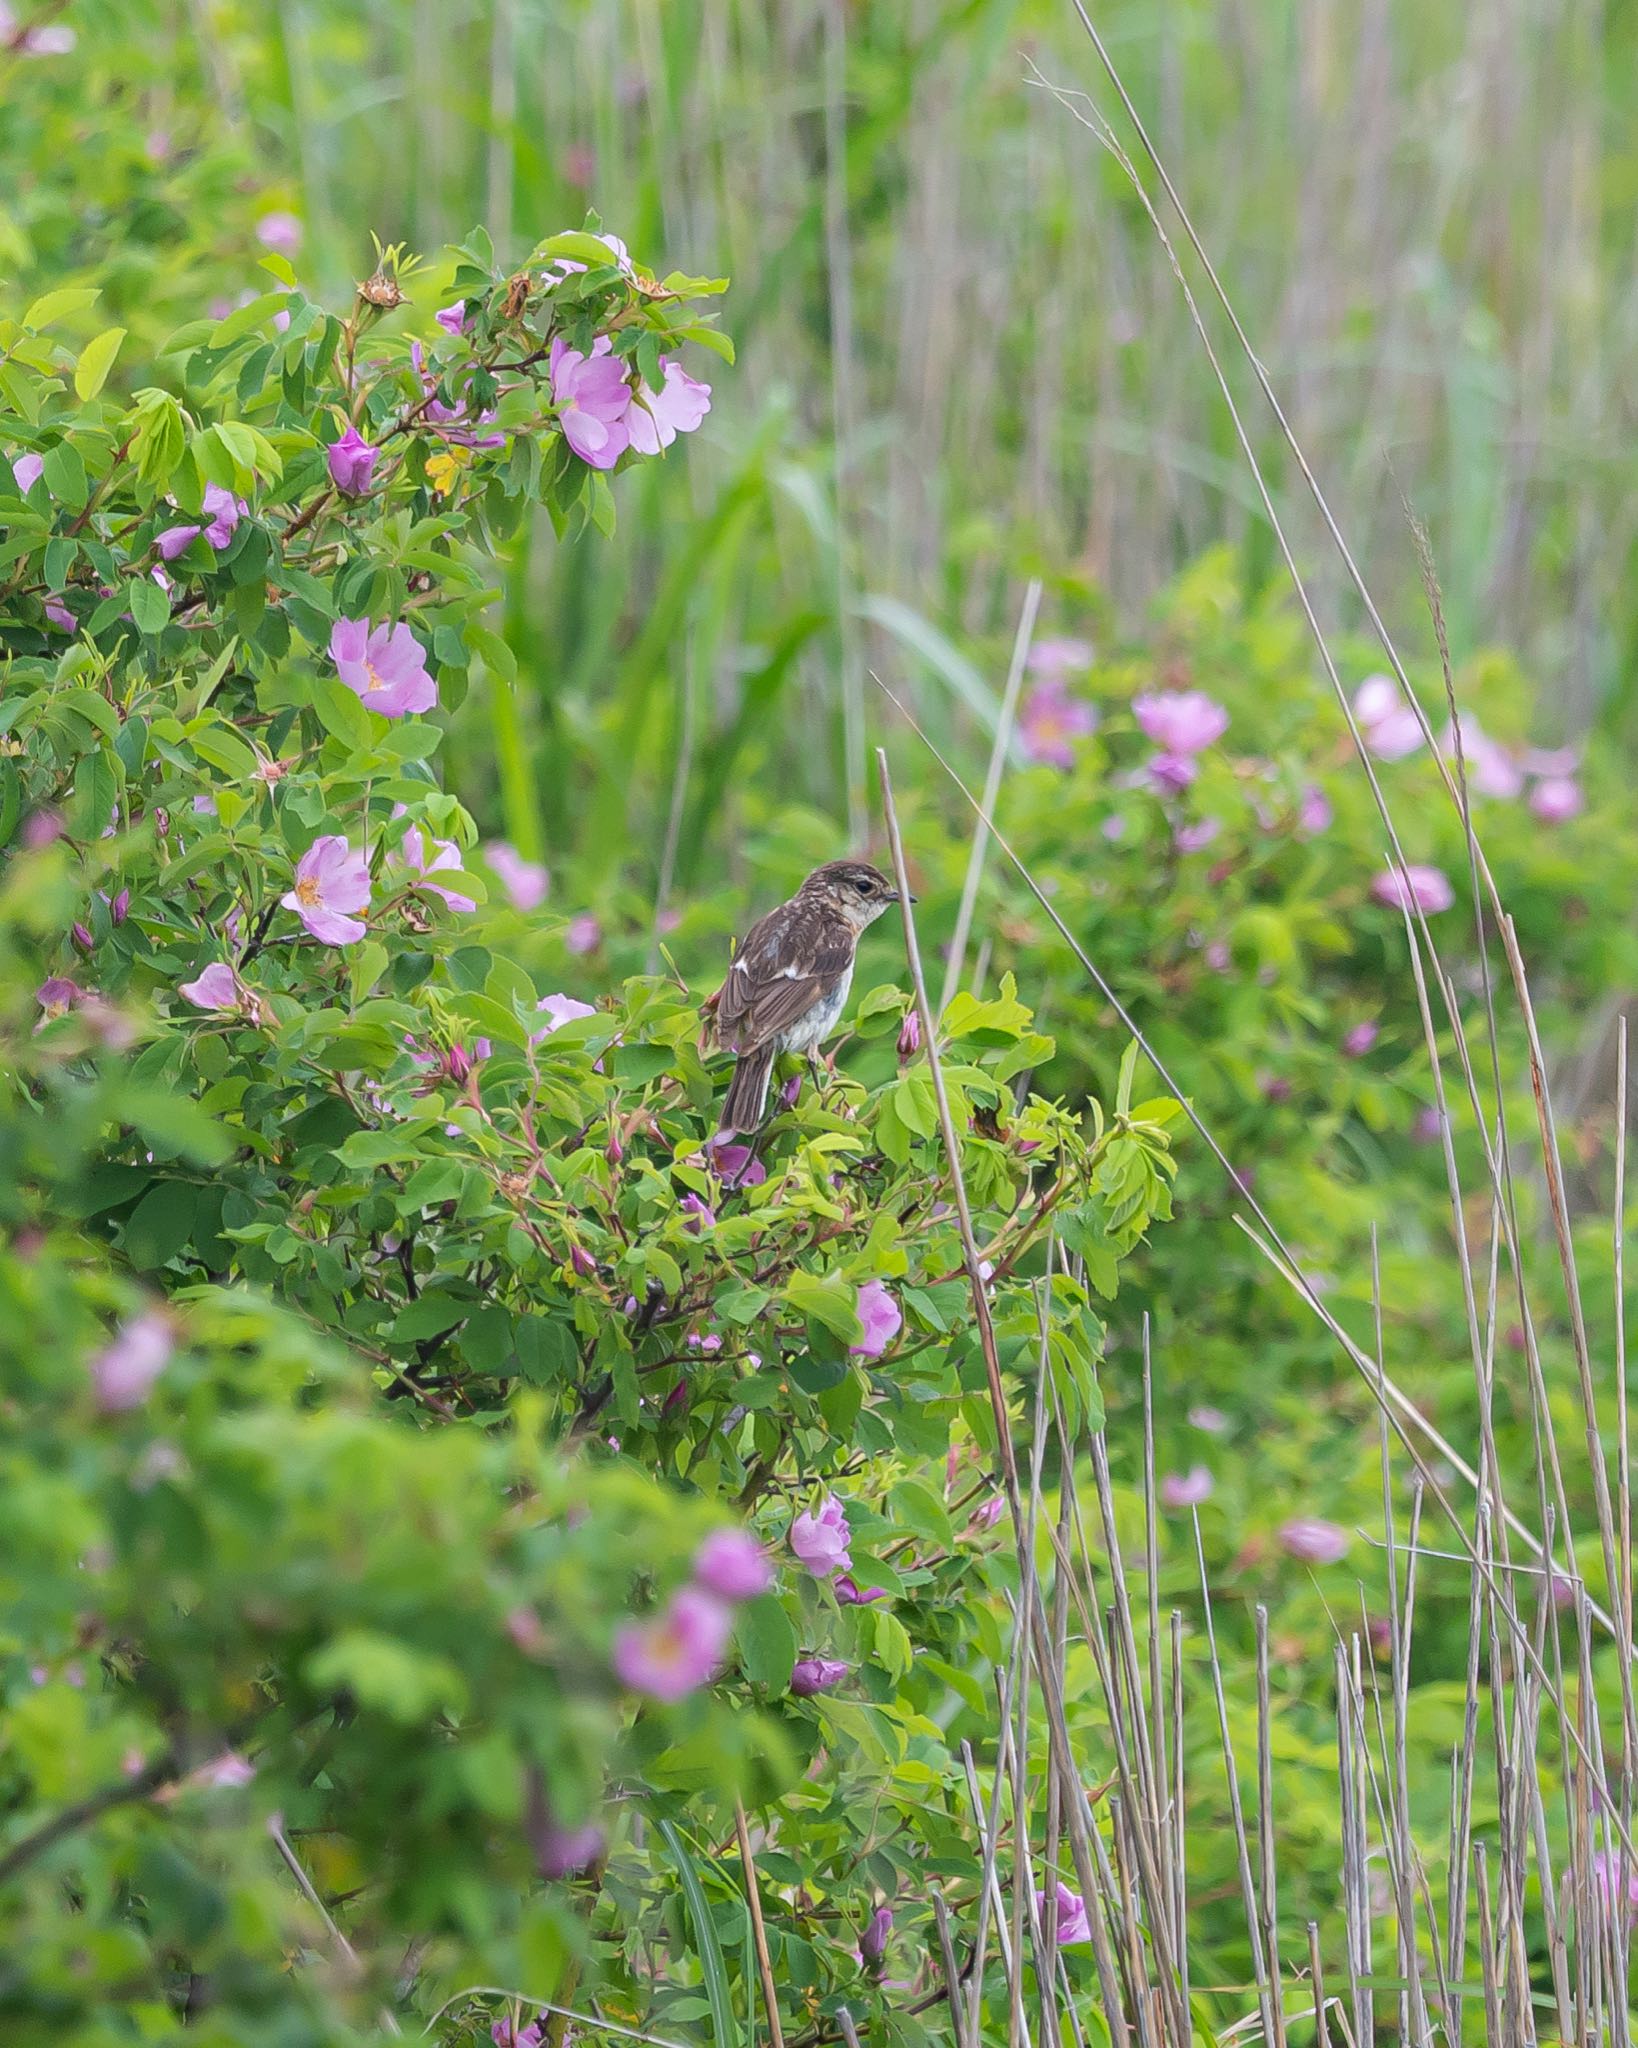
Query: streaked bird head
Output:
(860,892)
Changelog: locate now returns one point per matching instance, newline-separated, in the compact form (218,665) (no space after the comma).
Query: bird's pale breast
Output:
(821,1020)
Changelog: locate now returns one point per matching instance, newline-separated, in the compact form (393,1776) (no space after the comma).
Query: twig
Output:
(759,1933)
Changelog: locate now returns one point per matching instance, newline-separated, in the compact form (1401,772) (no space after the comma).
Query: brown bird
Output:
(789,982)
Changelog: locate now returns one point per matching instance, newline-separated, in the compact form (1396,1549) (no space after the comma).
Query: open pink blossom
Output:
(124,1370)
(1313,1541)
(27,470)
(1358,1040)
(595,401)
(412,858)
(1418,888)
(1073,1926)
(505,2035)
(1554,800)
(525,881)
(57,995)
(1180,721)
(1051,722)
(281,231)
(1491,768)
(678,1650)
(332,882)
(350,461)
(584,934)
(1186,1489)
(384,665)
(733,1565)
(820,1540)
(1060,657)
(816,1674)
(882,1319)
(452,318)
(559,1010)
(736,1166)
(1388,725)
(214,988)
(656,418)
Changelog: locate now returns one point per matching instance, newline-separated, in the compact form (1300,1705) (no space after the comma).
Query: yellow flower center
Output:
(376,680)
(307,891)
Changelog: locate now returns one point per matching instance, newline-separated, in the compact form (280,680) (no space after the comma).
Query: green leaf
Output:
(829,1299)
(767,1642)
(96,360)
(65,476)
(150,606)
(706,1945)
(59,305)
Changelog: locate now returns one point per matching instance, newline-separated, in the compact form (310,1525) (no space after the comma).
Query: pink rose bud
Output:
(873,1942)
(733,1565)
(816,1674)
(121,907)
(583,1262)
(910,1035)
(81,936)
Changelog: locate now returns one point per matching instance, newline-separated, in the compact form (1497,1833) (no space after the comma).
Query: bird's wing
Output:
(790,960)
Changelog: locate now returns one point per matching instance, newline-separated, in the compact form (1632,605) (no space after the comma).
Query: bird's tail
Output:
(747,1095)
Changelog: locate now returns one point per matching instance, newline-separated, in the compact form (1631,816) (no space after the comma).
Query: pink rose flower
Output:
(1073,1925)
(57,995)
(1491,768)
(411,858)
(594,400)
(677,1651)
(1059,657)
(1420,888)
(656,418)
(124,1370)
(1358,1041)
(816,1674)
(350,462)
(1194,838)
(1171,773)
(882,1319)
(280,231)
(560,1010)
(1312,1541)
(1314,811)
(332,881)
(1187,1489)
(214,988)
(384,665)
(733,1565)
(1388,725)
(1051,722)
(452,318)
(1180,721)
(820,1540)
(525,881)
(1553,800)
(584,934)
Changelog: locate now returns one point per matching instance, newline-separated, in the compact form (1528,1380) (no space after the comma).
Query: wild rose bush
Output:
(431,1466)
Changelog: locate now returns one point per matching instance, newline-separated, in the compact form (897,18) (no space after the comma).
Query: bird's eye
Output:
(861,885)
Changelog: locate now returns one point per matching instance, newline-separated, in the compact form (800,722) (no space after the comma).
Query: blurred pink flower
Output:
(1388,724)
(820,1540)
(584,934)
(561,1010)
(1171,773)
(1057,658)
(1050,723)
(124,1370)
(882,1319)
(226,1772)
(1553,800)
(1491,767)
(27,470)
(733,1565)
(332,881)
(1073,1925)
(560,1852)
(350,461)
(1314,811)
(1217,956)
(215,987)
(1180,722)
(410,858)
(1552,762)
(816,1674)
(656,418)
(678,1650)
(385,666)
(505,2035)
(1419,888)
(594,400)
(525,881)
(1193,838)
(1359,1039)
(280,231)
(57,995)
(1187,1489)
(1607,1878)
(1313,1541)
(1426,1128)
(1212,1420)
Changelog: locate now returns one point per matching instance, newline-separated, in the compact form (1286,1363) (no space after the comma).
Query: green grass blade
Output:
(723,2023)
